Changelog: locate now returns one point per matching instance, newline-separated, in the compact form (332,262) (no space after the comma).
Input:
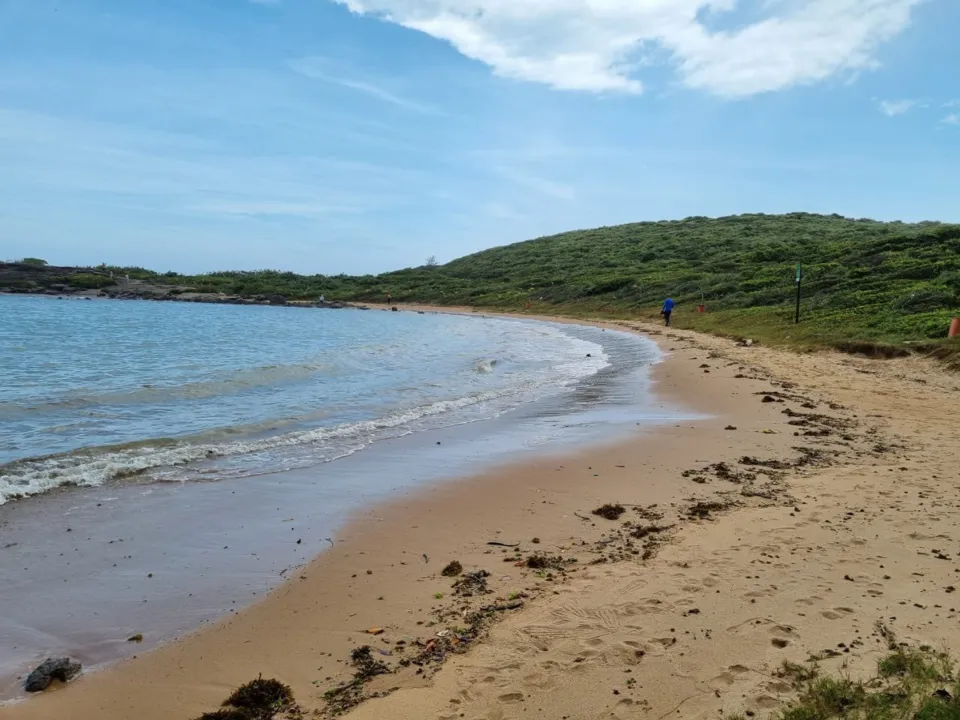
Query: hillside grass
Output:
(867,284)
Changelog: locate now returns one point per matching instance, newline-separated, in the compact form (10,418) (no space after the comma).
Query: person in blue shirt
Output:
(667,310)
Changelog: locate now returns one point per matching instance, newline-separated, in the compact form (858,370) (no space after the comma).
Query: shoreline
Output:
(303,631)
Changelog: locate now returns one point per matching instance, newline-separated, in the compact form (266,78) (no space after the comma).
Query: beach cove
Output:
(701,623)
(133,531)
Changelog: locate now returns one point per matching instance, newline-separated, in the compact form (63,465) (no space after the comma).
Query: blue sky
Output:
(367,135)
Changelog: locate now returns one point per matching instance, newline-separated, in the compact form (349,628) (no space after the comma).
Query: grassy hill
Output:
(864,281)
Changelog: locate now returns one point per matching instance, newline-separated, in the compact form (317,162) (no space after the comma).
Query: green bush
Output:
(89,281)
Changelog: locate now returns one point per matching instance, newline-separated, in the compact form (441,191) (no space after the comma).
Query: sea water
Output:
(98,391)
(214,448)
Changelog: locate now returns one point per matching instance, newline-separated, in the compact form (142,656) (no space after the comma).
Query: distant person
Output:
(667,311)
(389,299)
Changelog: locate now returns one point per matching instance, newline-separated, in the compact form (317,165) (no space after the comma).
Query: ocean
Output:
(190,443)
(98,391)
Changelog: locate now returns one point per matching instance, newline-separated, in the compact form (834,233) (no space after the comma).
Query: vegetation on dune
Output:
(867,284)
(910,684)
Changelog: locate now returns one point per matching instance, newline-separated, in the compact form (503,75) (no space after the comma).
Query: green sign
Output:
(799,271)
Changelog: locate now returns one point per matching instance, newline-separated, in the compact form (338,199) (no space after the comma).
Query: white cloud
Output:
(892,108)
(599,45)
(319,68)
(952,119)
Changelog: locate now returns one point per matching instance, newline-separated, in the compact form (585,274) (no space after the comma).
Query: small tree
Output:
(34,261)
(432,261)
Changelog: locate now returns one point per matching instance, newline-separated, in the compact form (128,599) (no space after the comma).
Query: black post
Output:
(799,279)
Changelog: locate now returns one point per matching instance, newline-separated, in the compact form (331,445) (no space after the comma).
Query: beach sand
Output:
(854,525)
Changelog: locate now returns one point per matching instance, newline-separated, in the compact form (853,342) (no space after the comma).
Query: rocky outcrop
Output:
(63,669)
(26,278)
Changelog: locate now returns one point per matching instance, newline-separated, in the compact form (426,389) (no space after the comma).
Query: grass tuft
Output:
(910,684)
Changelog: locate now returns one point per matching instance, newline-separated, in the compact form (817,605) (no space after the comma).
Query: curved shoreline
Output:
(111,534)
(305,629)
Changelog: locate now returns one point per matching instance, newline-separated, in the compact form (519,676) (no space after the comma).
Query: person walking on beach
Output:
(667,310)
(389,299)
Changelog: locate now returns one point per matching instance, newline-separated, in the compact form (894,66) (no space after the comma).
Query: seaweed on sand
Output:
(545,562)
(453,569)
(472,583)
(703,509)
(610,512)
(343,698)
(257,700)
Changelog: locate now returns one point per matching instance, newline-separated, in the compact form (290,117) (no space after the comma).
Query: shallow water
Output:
(93,391)
(164,551)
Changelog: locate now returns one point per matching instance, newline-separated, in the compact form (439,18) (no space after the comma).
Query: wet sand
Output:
(848,530)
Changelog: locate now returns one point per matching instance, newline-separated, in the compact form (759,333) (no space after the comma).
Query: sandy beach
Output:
(813,512)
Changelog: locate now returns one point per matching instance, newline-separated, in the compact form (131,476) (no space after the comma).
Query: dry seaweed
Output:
(610,512)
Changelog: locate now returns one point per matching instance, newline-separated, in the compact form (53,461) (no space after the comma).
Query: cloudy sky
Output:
(364,135)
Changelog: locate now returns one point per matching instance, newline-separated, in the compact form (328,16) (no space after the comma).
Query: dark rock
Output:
(63,669)
(273,299)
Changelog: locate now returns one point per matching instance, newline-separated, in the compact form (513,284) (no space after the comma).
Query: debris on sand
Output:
(703,509)
(610,512)
(473,583)
(63,669)
(721,471)
(545,562)
(345,697)
(258,700)
(367,667)
(642,531)
(452,570)
(772,464)
(651,512)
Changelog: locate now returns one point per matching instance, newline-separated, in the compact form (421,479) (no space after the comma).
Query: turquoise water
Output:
(98,391)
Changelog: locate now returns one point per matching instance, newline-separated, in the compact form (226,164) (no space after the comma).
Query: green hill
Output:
(864,281)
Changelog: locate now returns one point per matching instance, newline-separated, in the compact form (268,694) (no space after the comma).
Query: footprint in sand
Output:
(510,698)
(609,617)
(539,681)
(837,613)
(783,635)
(786,630)
(729,677)
(766,702)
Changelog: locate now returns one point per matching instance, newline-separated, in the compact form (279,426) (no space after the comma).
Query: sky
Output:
(356,136)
